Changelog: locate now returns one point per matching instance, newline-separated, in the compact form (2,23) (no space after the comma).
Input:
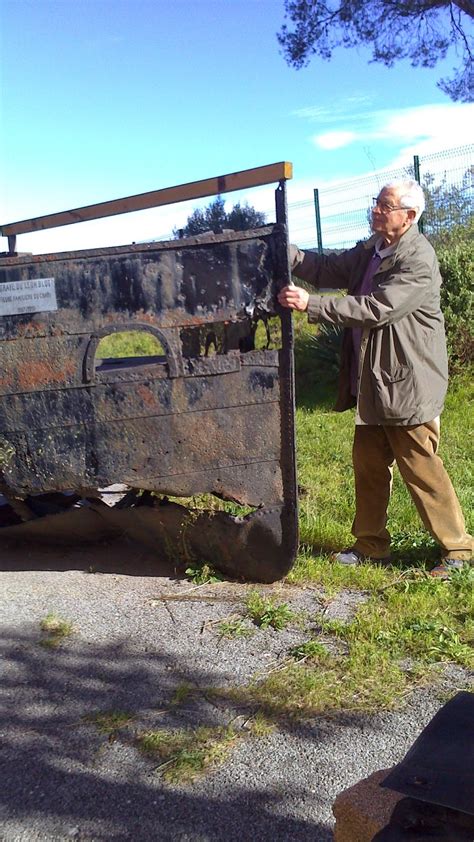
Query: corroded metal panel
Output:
(181,282)
(210,414)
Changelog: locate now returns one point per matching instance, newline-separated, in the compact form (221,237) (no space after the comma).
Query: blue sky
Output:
(105,98)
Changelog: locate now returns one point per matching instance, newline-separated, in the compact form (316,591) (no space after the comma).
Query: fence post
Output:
(416,167)
(317,213)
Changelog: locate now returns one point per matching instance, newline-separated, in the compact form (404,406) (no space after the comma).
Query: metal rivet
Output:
(417,781)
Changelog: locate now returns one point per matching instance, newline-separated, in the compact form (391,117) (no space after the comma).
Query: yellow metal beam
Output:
(167,196)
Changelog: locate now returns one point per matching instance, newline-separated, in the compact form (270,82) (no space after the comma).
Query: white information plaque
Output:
(34,296)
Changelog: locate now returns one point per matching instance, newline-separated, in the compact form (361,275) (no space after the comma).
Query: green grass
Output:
(129,343)
(186,754)
(110,721)
(266,612)
(55,630)
(393,644)
(324,685)
(233,627)
(313,566)
(182,693)
(410,622)
(422,619)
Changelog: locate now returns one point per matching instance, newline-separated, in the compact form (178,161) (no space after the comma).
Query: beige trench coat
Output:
(403,369)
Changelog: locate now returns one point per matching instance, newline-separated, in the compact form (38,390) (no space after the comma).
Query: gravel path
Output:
(140,634)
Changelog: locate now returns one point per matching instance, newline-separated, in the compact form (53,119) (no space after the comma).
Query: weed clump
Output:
(203,574)
(55,629)
(266,612)
(186,754)
(234,627)
(311,650)
(109,721)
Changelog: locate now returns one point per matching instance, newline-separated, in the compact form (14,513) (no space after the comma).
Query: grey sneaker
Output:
(351,556)
(446,566)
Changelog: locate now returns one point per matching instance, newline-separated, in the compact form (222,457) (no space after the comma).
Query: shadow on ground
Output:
(120,555)
(63,778)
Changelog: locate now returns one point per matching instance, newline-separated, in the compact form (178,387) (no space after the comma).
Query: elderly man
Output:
(393,370)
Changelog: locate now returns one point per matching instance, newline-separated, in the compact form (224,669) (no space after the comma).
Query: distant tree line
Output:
(215,218)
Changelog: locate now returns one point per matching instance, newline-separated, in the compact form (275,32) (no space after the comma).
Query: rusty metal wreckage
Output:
(181,423)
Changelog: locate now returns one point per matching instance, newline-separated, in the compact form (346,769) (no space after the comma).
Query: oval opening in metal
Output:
(127,349)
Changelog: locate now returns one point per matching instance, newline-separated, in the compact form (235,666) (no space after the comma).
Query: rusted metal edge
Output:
(253,547)
(287,381)
(139,248)
(169,195)
(438,768)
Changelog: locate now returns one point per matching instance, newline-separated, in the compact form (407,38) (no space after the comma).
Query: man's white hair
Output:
(411,195)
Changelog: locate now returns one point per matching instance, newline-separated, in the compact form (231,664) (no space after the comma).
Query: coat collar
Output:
(404,242)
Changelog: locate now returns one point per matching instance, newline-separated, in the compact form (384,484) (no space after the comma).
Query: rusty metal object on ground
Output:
(439,767)
(428,795)
(417,821)
(209,413)
(253,546)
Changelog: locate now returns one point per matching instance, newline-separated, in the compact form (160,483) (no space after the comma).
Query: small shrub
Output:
(327,350)
(203,574)
(455,251)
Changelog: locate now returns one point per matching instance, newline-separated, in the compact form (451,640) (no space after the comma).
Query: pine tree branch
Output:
(466,6)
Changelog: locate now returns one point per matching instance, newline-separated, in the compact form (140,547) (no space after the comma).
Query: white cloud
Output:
(430,127)
(337,111)
(334,140)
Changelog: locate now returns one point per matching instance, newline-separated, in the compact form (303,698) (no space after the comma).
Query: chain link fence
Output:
(341,213)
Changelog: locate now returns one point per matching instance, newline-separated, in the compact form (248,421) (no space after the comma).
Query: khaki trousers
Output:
(414,449)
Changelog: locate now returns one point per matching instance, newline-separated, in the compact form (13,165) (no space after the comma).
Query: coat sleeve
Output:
(401,291)
(323,271)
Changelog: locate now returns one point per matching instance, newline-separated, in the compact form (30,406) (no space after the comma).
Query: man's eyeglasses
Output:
(385,207)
